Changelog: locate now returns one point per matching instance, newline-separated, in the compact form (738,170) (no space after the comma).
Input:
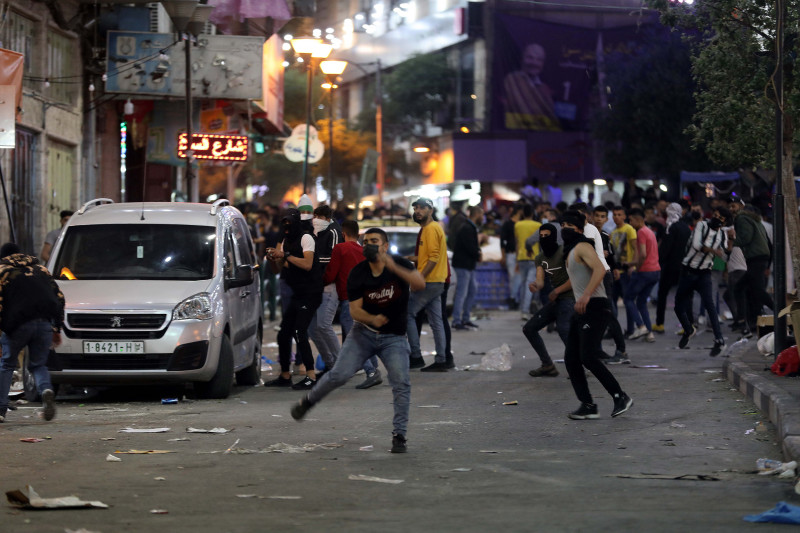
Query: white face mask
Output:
(545,220)
(319,225)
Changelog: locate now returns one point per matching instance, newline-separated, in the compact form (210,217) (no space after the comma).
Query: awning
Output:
(708,176)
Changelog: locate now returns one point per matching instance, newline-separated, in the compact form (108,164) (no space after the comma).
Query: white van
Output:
(158,293)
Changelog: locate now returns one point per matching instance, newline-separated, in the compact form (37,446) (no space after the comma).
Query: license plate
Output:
(113,347)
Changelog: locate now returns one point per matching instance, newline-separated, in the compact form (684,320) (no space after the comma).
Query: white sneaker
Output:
(650,337)
(641,331)
(701,321)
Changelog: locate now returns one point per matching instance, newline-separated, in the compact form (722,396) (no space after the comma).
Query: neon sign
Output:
(218,147)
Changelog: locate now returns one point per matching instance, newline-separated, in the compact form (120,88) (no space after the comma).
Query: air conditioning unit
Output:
(161,23)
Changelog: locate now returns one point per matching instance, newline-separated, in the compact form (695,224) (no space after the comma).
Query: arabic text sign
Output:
(219,147)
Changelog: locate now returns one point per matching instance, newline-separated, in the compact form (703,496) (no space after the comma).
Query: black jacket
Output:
(28,292)
(466,250)
(673,247)
(326,240)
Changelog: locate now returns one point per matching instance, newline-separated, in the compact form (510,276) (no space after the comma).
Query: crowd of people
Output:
(569,269)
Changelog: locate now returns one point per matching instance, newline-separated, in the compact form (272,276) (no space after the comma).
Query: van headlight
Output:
(196,307)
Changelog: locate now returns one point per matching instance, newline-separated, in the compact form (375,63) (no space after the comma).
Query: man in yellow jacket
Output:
(431,261)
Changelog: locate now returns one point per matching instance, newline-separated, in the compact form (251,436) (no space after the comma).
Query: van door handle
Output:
(244,294)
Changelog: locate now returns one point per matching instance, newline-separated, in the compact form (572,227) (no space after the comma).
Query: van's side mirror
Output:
(244,276)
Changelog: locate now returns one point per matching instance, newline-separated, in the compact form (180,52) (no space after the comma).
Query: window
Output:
(62,69)
(125,252)
(17,34)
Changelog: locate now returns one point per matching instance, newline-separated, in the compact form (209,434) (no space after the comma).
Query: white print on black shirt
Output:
(384,295)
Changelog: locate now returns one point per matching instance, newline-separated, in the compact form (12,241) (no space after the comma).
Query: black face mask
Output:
(549,244)
(715,224)
(570,236)
(696,216)
(371,252)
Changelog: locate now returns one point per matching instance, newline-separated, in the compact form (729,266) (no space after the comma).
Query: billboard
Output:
(544,75)
(154,64)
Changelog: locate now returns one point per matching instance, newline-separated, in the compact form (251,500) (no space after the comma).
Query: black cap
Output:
(423,202)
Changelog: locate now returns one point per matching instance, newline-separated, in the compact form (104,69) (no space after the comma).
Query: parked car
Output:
(158,293)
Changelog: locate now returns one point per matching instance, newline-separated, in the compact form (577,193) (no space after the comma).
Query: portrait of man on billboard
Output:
(527,99)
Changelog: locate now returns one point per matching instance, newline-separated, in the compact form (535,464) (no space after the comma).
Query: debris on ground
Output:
(111,458)
(144,430)
(280,447)
(32,439)
(782,513)
(771,467)
(362,477)
(513,402)
(496,359)
(159,511)
(366,448)
(216,431)
(683,477)
(27,498)
(144,452)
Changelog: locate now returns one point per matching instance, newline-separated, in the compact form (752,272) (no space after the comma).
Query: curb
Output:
(772,400)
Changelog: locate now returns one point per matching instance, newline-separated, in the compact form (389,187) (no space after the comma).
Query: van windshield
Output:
(124,251)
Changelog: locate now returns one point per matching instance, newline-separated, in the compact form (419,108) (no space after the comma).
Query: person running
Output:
(378,291)
(31,315)
(708,240)
(589,322)
(550,262)
(670,254)
(644,276)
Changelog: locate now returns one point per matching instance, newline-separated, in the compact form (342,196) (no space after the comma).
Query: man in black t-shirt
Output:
(378,292)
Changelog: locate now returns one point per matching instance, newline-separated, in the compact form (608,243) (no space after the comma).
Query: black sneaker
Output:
(49,404)
(471,325)
(684,342)
(622,402)
(319,373)
(305,384)
(449,362)
(719,345)
(280,381)
(416,362)
(372,380)
(544,371)
(300,409)
(398,444)
(584,412)
(619,358)
(458,326)
(746,333)
(435,367)
(2,415)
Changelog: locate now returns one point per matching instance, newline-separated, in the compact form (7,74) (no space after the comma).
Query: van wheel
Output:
(28,381)
(219,387)
(251,375)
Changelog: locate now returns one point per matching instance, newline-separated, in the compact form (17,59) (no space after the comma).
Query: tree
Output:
(734,64)
(650,92)
(414,92)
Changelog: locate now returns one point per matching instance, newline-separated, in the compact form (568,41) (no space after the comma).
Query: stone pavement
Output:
(778,397)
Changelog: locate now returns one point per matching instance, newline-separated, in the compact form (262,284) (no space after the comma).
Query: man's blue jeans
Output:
(561,311)
(37,335)
(428,299)
(513,275)
(321,328)
(641,283)
(527,274)
(359,346)
(466,288)
(346,321)
(695,280)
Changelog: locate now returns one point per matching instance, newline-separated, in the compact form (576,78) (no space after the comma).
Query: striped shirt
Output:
(704,237)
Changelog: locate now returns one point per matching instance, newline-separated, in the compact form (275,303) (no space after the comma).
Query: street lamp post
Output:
(188,16)
(309,49)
